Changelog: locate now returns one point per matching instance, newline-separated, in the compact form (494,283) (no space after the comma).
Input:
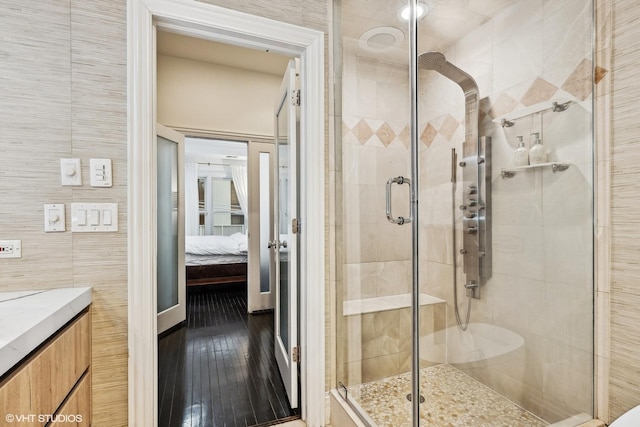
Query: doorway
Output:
(205,21)
(203,88)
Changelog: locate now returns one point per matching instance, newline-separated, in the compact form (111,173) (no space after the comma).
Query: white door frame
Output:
(205,21)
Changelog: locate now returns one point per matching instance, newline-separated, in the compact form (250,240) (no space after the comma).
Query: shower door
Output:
(502,290)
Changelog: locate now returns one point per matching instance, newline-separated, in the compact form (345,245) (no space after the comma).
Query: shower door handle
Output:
(397,180)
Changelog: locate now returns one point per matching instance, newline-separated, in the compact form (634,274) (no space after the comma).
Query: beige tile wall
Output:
(603,18)
(63,71)
(624,292)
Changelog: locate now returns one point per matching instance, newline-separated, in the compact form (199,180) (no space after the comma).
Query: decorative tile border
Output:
(576,86)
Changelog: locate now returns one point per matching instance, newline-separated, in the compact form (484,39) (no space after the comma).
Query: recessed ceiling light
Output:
(421,10)
(381,39)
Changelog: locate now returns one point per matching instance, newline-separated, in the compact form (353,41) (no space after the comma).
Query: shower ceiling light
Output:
(381,39)
(404,12)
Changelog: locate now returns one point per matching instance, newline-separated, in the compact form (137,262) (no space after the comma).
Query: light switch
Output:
(54,218)
(94,217)
(81,217)
(106,217)
(70,172)
(101,175)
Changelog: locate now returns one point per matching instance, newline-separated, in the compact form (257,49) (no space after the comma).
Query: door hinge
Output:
(295,354)
(295,97)
(295,225)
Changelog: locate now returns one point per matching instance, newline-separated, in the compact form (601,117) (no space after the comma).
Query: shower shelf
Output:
(509,119)
(555,167)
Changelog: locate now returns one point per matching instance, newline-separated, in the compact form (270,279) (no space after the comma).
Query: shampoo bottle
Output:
(521,154)
(537,154)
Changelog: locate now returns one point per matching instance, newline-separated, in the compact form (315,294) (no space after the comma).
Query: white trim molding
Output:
(210,22)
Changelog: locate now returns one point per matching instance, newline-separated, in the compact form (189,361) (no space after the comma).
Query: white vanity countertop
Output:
(28,318)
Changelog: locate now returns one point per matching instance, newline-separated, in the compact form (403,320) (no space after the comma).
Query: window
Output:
(220,212)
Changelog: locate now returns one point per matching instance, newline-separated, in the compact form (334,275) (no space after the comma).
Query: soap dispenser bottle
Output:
(537,154)
(521,154)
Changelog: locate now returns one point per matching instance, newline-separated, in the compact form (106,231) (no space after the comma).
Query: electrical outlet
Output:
(10,248)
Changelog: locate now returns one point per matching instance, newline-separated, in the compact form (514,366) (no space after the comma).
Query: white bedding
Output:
(190,259)
(236,244)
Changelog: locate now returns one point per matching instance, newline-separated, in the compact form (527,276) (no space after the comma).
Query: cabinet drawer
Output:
(44,380)
(76,411)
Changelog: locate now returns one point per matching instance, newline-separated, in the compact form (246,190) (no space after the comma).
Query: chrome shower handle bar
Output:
(397,180)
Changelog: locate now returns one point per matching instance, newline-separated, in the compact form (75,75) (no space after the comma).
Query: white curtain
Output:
(239,176)
(191,214)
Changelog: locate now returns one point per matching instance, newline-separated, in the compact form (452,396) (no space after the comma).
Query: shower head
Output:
(436,61)
(431,60)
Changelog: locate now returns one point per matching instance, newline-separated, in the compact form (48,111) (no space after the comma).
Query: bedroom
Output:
(223,103)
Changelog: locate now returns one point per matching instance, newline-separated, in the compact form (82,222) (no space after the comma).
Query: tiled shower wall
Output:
(536,52)
(63,74)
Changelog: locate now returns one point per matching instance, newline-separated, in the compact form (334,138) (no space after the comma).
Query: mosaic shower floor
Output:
(452,399)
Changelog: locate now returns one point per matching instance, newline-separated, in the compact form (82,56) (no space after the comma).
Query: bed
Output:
(216,259)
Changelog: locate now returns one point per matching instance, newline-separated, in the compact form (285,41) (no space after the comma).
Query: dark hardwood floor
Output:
(220,369)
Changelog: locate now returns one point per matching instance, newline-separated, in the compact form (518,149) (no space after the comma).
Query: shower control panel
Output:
(476,218)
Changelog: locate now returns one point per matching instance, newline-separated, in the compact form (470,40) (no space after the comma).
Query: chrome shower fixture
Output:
(476,164)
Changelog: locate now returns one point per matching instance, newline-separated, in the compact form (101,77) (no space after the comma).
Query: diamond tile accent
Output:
(428,135)
(385,134)
(599,74)
(449,127)
(362,131)
(405,136)
(539,91)
(503,105)
(578,83)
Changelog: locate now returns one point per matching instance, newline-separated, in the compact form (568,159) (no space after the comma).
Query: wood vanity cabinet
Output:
(52,387)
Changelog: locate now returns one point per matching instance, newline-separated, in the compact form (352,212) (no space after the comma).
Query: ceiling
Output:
(215,151)
(447,22)
(179,46)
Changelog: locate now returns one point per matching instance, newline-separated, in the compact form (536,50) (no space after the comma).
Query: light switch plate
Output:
(70,172)
(101,173)
(90,217)
(54,218)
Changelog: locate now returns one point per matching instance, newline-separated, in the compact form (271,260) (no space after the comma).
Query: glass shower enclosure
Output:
(464,210)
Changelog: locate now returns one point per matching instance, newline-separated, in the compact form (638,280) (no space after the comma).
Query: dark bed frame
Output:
(216,274)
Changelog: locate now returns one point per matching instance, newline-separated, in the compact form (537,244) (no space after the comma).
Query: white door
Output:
(260,269)
(284,244)
(170,270)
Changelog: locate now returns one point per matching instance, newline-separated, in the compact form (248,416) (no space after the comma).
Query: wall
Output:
(64,80)
(624,291)
(64,72)
(197,95)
